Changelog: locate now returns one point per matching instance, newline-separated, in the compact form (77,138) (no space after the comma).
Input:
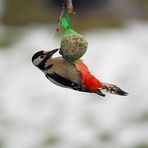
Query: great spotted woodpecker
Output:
(75,75)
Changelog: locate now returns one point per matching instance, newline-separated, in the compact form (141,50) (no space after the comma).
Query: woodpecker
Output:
(74,75)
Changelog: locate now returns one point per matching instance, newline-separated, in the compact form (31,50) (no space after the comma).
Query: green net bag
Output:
(73,45)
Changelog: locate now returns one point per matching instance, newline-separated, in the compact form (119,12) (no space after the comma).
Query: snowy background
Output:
(34,113)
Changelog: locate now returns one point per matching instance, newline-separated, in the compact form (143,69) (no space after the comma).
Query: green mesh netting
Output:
(66,24)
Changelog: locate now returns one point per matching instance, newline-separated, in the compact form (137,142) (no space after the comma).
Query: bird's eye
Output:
(41,56)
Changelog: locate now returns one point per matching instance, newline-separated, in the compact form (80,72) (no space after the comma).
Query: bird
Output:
(74,75)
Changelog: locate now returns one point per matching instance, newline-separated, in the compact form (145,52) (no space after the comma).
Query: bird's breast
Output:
(65,69)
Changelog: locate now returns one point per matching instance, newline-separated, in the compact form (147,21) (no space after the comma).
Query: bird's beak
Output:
(50,53)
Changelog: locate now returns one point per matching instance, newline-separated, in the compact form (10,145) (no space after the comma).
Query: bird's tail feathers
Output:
(113,89)
(99,92)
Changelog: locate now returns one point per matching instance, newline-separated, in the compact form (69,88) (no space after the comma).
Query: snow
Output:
(33,111)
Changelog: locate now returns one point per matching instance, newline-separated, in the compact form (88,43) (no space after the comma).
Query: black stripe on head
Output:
(42,64)
(46,56)
(49,66)
(36,55)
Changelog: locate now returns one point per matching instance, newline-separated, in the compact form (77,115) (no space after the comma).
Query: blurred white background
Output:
(34,113)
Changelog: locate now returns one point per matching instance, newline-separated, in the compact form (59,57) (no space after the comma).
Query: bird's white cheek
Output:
(37,61)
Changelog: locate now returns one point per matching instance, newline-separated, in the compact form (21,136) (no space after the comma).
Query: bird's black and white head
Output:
(40,58)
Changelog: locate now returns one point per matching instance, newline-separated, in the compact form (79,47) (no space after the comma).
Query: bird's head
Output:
(40,58)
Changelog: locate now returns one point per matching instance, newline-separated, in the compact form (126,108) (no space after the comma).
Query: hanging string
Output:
(60,17)
(67,9)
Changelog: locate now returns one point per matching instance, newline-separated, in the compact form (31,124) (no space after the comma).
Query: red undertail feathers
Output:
(91,83)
